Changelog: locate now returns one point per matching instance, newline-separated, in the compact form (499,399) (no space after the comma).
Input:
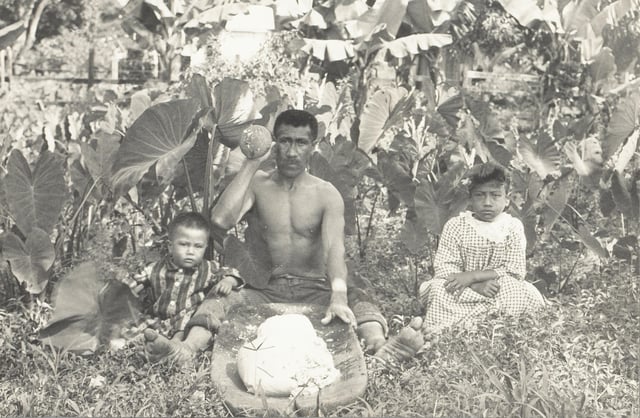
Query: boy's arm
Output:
(230,274)
(225,279)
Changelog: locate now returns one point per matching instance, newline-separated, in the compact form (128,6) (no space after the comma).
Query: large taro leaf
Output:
(627,152)
(35,198)
(603,66)
(624,120)
(607,204)
(529,220)
(396,174)
(161,136)
(198,88)
(234,110)
(348,162)
(543,157)
(626,247)
(499,153)
(431,214)
(140,101)
(622,196)
(196,161)
(79,177)
(341,180)
(251,259)
(343,165)
(413,235)
(449,109)
(88,310)
(100,159)
(30,260)
(384,109)
(556,202)
(591,242)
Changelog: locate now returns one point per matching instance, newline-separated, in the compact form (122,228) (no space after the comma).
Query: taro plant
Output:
(33,198)
(180,142)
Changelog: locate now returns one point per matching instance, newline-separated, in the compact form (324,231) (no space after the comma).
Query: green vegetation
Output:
(579,358)
(97,172)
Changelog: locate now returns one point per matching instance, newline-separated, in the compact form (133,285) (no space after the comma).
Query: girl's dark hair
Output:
(487,173)
(297,118)
(189,220)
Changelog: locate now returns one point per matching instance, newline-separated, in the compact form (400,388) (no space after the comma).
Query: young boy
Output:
(173,288)
(480,263)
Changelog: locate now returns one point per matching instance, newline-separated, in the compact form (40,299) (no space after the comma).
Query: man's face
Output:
(187,246)
(488,200)
(292,149)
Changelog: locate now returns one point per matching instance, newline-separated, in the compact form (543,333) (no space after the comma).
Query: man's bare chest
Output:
(289,212)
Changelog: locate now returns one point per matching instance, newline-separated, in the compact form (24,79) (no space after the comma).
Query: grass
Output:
(578,358)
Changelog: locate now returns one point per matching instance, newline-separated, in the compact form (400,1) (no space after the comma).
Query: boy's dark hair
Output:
(487,173)
(297,118)
(189,220)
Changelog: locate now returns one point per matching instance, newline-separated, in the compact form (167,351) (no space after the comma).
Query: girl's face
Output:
(488,200)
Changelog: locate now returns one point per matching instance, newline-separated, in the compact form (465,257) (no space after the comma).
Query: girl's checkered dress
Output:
(468,244)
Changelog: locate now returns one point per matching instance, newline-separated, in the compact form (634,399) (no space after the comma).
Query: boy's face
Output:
(187,246)
(488,200)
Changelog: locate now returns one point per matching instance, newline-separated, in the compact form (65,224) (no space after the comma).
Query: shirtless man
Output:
(301,219)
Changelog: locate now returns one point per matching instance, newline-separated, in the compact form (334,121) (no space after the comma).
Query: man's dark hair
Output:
(297,118)
(487,173)
(189,220)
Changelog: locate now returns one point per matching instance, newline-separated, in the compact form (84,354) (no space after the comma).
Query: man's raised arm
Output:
(333,246)
(237,198)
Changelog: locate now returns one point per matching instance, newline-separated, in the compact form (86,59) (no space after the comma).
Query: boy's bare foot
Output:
(159,347)
(373,335)
(404,345)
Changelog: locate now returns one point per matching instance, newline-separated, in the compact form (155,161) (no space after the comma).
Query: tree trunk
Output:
(33,25)
(24,13)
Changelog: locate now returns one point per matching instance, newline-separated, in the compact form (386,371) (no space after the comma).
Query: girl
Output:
(480,262)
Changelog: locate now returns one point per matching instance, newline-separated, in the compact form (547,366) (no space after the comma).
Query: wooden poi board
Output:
(241,325)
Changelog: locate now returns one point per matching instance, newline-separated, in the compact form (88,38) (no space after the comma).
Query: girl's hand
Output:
(225,286)
(457,282)
(489,288)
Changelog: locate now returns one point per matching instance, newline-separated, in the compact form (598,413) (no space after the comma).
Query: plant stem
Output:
(192,198)
(212,148)
(373,208)
(564,281)
(359,233)
(72,221)
(156,227)
(84,200)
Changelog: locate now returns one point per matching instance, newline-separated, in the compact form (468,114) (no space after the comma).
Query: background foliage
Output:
(400,124)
